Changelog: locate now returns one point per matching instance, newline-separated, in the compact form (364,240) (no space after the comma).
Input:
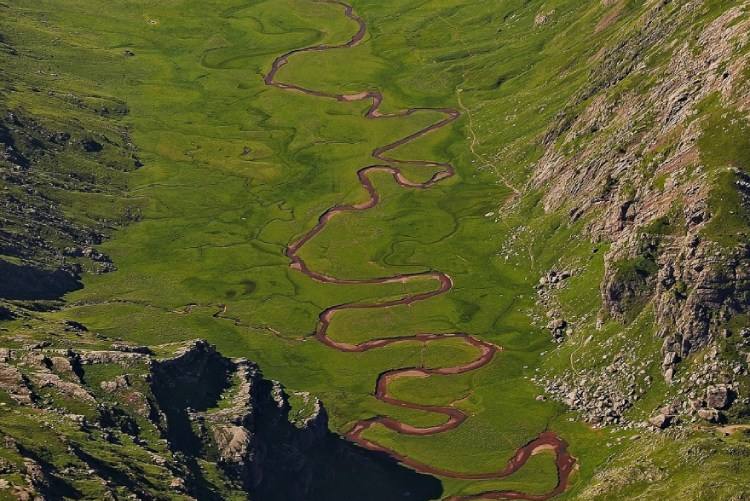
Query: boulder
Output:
(117,383)
(696,404)
(710,415)
(670,358)
(661,421)
(719,396)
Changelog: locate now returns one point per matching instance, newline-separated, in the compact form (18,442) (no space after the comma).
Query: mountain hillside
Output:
(404,249)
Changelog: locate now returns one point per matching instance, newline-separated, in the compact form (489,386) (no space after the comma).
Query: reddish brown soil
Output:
(454,416)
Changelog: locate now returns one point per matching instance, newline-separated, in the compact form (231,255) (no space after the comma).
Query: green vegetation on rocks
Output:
(558,164)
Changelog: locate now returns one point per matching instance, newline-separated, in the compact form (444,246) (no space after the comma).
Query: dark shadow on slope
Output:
(22,282)
(51,486)
(325,467)
(284,460)
(194,381)
(6,314)
(346,471)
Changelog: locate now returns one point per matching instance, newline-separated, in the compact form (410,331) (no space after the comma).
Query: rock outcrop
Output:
(638,165)
(45,244)
(631,157)
(213,425)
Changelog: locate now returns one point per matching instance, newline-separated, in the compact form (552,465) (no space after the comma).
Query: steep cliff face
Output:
(192,424)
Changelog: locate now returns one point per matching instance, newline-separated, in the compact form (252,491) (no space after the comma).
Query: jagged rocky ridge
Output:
(192,424)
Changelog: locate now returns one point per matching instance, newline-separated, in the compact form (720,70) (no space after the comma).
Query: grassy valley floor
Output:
(235,170)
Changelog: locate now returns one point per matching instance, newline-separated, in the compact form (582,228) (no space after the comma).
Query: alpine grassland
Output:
(234,170)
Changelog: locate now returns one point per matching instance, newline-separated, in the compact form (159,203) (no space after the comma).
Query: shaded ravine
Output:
(547,440)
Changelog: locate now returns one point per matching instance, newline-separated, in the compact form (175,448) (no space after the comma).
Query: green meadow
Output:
(235,170)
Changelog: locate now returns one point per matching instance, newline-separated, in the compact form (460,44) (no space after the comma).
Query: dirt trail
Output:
(454,416)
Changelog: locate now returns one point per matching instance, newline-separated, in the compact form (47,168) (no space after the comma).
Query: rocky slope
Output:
(62,181)
(651,157)
(183,421)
